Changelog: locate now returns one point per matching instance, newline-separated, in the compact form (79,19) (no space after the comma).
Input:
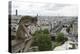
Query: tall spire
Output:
(36,18)
(37,15)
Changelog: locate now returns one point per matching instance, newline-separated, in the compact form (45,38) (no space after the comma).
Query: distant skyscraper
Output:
(10,4)
(16,12)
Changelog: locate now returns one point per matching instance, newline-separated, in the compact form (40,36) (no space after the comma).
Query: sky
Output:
(44,9)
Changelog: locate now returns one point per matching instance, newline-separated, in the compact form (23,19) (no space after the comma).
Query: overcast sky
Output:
(44,9)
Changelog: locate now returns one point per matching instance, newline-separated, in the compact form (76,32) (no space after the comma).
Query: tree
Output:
(68,29)
(44,42)
(45,31)
(60,37)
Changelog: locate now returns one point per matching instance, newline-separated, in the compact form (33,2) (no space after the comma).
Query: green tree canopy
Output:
(42,40)
(60,37)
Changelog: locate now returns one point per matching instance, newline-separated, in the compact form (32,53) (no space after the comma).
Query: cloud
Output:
(32,8)
(55,7)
